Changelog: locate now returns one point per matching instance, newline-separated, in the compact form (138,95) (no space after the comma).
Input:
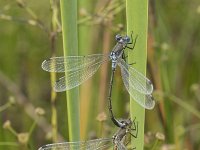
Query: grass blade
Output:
(137,21)
(70,47)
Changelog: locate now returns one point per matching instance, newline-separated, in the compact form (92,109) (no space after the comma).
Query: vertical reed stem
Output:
(70,47)
(85,40)
(137,21)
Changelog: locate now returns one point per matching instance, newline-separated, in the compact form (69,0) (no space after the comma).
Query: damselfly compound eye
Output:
(127,39)
(118,37)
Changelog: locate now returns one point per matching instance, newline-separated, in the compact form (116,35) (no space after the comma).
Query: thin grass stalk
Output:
(70,47)
(160,35)
(160,73)
(54,28)
(137,21)
(169,121)
(102,96)
(53,107)
(85,38)
(104,70)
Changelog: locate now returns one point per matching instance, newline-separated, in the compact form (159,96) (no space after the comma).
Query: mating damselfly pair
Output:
(79,68)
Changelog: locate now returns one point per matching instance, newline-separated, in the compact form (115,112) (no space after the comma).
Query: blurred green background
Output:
(30,32)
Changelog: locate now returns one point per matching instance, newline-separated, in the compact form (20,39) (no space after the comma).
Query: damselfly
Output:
(116,142)
(79,68)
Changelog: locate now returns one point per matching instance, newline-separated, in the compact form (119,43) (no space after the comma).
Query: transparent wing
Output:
(97,144)
(136,86)
(120,146)
(138,81)
(77,77)
(71,63)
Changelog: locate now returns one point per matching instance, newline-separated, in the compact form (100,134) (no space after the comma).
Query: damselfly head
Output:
(126,122)
(118,37)
(122,39)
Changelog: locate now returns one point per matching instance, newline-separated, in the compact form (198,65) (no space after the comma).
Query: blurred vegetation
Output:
(30,32)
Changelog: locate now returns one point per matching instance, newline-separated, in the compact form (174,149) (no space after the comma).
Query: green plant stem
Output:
(32,128)
(55,27)
(168,120)
(187,107)
(155,145)
(9,143)
(85,34)
(70,47)
(137,21)
(12,131)
(5,106)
